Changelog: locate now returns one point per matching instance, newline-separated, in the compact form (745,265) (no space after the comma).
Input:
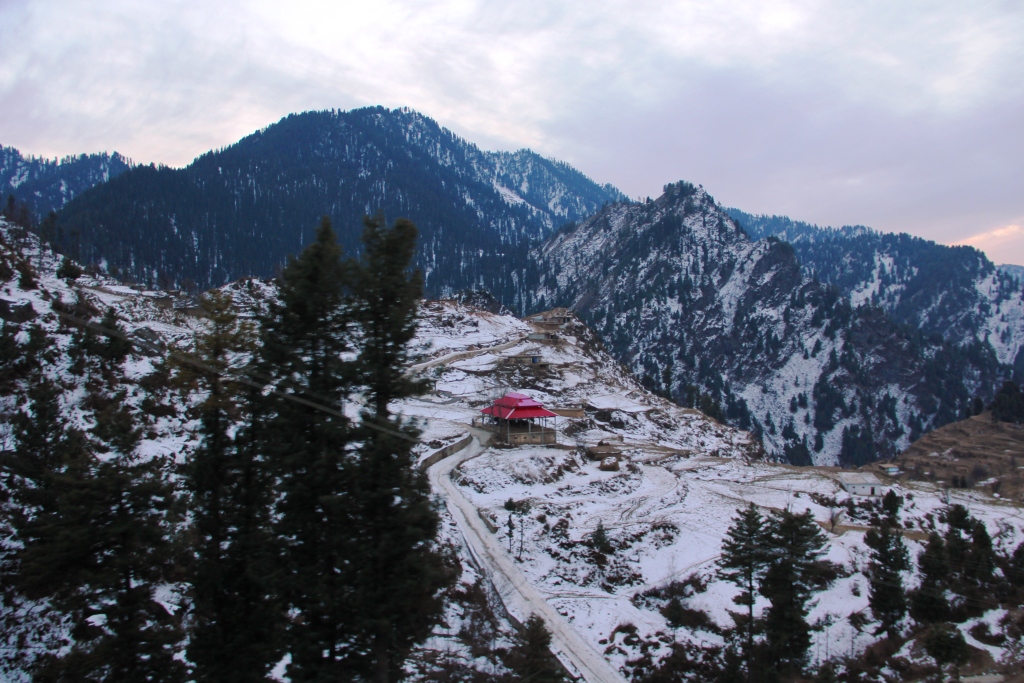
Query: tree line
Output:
(298,525)
(777,558)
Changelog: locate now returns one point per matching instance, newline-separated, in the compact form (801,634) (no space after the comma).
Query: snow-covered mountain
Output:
(712,318)
(899,334)
(240,211)
(954,292)
(48,184)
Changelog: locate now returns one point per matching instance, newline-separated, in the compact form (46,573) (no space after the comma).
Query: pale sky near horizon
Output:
(901,116)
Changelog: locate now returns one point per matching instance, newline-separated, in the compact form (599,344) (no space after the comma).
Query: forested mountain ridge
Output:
(46,185)
(714,319)
(241,210)
(955,292)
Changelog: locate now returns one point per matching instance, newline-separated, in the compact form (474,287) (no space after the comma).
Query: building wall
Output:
(865,489)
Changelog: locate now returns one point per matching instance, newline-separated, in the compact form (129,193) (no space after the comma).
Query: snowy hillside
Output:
(704,314)
(954,292)
(665,510)
(48,184)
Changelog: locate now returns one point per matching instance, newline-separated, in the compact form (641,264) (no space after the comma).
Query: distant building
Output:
(517,419)
(861,483)
(556,318)
(532,358)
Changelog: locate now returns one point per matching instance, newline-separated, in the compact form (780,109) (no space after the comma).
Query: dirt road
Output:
(520,598)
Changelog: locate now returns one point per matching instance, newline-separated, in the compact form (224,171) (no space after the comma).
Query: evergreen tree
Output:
(888,558)
(112,533)
(1015,572)
(969,549)
(982,560)
(69,270)
(45,450)
(946,645)
(116,346)
(743,562)
(891,504)
(531,659)
(928,603)
(399,572)
(304,338)
(234,618)
(600,538)
(97,546)
(1008,405)
(795,542)
(42,437)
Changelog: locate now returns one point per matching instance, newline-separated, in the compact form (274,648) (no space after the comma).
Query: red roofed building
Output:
(514,416)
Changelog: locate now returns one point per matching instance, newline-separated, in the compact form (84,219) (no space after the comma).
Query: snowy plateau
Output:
(681,478)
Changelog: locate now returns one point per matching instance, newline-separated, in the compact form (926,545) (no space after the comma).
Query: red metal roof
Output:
(515,406)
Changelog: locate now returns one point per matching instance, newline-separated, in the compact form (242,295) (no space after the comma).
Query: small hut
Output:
(517,419)
(862,484)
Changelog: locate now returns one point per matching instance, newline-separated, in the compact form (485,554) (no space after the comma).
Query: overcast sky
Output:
(904,116)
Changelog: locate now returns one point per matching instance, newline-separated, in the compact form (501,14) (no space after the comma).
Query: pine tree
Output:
(116,347)
(891,504)
(304,339)
(795,542)
(42,435)
(1008,404)
(928,603)
(114,526)
(1015,566)
(40,493)
(600,538)
(398,570)
(743,562)
(969,549)
(234,617)
(888,558)
(946,645)
(97,549)
(531,659)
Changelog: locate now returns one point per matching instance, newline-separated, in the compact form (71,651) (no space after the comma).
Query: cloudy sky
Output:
(904,116)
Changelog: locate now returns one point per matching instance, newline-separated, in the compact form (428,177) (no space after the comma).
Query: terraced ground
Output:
(988,454)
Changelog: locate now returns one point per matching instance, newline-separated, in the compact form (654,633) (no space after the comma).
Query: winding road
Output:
(520,598)
(460,355)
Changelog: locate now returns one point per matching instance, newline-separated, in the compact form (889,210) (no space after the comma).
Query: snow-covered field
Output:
(666,510)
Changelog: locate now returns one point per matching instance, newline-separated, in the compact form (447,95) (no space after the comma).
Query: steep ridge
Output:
(955,292)
(241,210)
(710,317)
(48,184)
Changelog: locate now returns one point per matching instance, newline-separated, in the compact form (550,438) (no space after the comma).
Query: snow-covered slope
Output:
(955,292)
(48,184)
(681,475)
(704,314)
(666,511)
